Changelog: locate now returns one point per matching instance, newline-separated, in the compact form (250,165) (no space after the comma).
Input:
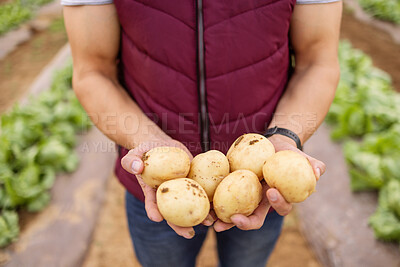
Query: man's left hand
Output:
(271,196)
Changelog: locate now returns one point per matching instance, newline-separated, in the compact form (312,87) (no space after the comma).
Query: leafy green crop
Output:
(365,101)
(386,225)
(37,2)
(386,220)
(383,9)
(14,13)
(9,229)
(36,142)
(366,114)
(374,160)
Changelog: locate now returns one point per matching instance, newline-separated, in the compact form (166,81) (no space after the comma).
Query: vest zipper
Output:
(204,122)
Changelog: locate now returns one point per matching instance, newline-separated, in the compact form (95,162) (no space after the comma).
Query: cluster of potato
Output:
(231,182)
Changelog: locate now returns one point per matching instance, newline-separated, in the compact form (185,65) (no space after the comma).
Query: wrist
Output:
(278,139)
(284,135)
(158,140)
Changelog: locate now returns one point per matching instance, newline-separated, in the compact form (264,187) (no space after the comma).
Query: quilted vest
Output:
(204,71)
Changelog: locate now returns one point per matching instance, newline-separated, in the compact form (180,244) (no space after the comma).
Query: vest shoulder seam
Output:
(156,60)
(166,13)
(241,13)
(251,64)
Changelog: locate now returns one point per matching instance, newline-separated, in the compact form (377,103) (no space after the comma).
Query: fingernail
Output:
(208,222)
(239,223)
(318,172)
(273,196)
(135,166)
(189,234)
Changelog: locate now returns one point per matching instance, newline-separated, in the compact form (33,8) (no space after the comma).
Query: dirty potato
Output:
(208,169)
(164,163)
(182,202)
(249,152)
(239,193)
(290,173)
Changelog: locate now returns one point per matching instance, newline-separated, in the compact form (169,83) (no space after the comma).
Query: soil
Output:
(20,68)
(112,246)
(16,75)
(377,44)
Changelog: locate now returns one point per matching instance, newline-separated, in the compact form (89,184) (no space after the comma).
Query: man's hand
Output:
(314,36)
(271,197)
(132,162)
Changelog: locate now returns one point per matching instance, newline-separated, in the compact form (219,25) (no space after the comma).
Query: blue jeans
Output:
(156,244)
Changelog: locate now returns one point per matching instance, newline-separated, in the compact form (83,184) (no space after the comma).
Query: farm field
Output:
(111,245)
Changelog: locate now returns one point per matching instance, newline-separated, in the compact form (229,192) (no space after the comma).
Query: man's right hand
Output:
(132,163)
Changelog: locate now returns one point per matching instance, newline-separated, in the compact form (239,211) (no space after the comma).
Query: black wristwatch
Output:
(286,132)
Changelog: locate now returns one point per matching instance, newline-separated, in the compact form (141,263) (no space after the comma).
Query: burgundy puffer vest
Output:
(205,71)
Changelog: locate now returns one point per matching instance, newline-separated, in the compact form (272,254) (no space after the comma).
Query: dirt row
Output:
(377,44)
(292,249)
(19,69)
(111,245)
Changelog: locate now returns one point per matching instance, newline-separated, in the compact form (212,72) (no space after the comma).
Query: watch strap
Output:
(286,132)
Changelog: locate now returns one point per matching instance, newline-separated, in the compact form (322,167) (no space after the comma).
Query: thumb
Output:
(318,166)
(132,163)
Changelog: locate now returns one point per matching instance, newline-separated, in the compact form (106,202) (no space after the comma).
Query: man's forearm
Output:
(113,111)
(314,36)
(94,36)
(307,99)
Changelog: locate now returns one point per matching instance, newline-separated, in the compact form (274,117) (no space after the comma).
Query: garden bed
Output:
(60,235)
(76,198)
(41,20)
(19,69)
(392,29)
(378,44)
(335,220)
(330,232)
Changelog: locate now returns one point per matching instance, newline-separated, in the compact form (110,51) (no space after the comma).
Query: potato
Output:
(208,169)
(249,152)
(164,163)
(182,202)
(290,173)
(239,193)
